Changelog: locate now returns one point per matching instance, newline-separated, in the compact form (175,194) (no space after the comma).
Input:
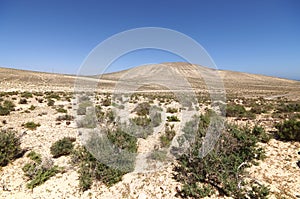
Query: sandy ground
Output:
(278,170)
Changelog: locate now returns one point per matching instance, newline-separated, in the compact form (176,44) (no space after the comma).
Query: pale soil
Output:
(278,170)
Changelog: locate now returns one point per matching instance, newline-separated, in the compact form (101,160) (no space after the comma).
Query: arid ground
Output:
(44,108)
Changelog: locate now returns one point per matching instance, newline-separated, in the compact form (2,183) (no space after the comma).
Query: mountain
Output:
(174,74)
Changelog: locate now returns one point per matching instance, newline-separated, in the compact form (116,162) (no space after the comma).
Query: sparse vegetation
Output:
(31,125)
(6,107)
(159,155)
(83,106)
(39,172)
(142,109)
(173,118)
(114,146)
(288,130)
(9,147)
(26,95)
(166,139)
(62,147)
(237,110)
(61,110)
(65,117)
(23,101)
(91,169)
(50,102)
(172,110)
(141,121)
(288,107)
(35,157)
(222,168)
(31,107)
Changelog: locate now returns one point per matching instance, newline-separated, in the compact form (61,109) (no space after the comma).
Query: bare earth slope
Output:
(235,83)
(278,170)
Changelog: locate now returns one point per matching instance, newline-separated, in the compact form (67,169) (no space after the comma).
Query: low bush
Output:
(9,147)
(39,173)
(50,102)
(123,140)
(53,96)
(65,117)
(32,107)
(289,130)
(237,110)
(91,169)
(4,111)
(9,105)
(223,168)
(83,106)
(31,125)
(288,107)
(142,109)
(172,110)
(6,107)
(166,139)
(23,101)
(26,95)
(35,157)
(173,118)
(155,119)
(159,155)
(141,121)
(261,134)
(62,147)
(61,110)
(106,102)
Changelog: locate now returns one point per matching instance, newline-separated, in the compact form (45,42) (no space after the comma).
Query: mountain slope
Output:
(235,83)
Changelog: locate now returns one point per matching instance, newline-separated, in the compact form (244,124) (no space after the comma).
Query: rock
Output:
(142,196)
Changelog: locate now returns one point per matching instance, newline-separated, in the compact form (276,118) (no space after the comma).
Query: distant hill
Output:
(235,83)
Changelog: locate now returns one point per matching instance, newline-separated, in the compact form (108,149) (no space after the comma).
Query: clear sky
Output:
(256,36)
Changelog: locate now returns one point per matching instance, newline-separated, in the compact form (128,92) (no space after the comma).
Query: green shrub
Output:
(223,167)
(38,174)
(288,107)
(53,96)
(123,140)
(237,110)
(32,107)
(141,121)
(4,111)
(261,134)
(9,105)
(87,121)
(142,109)
(61,110)
(50,102)
(159,155)
(82,107)
(114,147)
(172,110)
(289,130)
(173,118)
(62,147)
(6,107)
(166,139)
(106,102)
(31,125)
(91,169)
(23,101)
(9,147)
(26,95)
(35,157)
(65,117)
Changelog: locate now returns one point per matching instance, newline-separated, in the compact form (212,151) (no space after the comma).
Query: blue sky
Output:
(256,36)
